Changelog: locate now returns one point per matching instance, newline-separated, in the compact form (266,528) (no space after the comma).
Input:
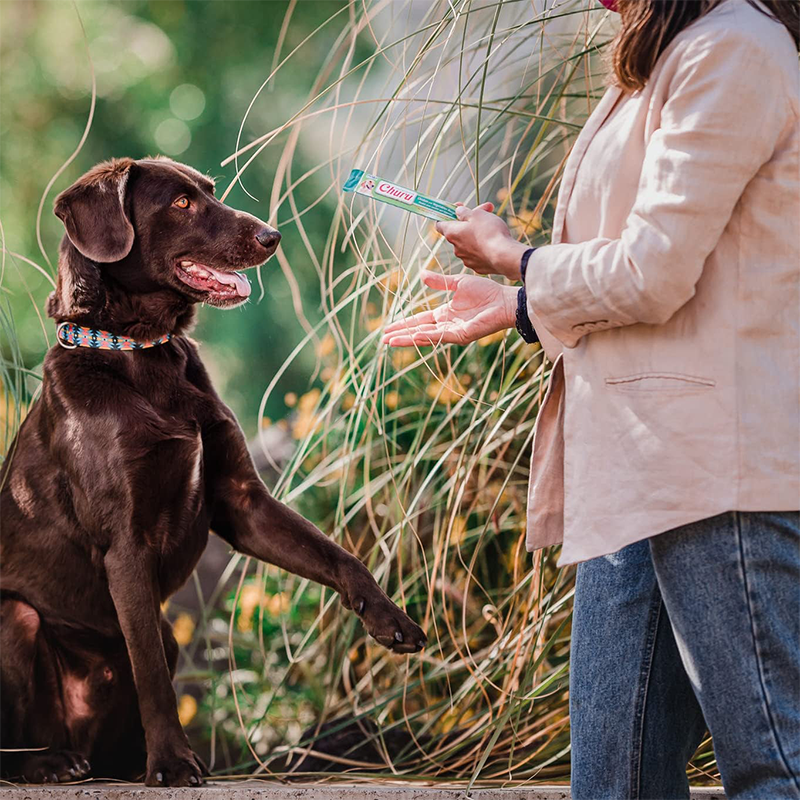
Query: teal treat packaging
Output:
(377,188)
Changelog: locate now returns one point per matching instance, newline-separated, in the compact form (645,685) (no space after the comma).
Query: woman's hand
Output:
(483,242)
(477,308)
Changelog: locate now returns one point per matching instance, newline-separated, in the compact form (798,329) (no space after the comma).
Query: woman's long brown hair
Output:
(648,26)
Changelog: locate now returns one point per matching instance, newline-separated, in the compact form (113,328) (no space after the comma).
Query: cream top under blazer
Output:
(670,297)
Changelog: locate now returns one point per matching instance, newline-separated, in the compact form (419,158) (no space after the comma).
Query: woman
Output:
(666,451)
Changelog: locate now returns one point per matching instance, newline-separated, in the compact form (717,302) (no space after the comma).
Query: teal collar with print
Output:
(70,336)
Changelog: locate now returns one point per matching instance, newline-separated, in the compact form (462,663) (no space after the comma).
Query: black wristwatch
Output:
(524,327)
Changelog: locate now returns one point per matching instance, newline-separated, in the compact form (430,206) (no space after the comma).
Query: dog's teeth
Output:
(193,269)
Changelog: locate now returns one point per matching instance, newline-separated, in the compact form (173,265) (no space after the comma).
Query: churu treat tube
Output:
(377,188)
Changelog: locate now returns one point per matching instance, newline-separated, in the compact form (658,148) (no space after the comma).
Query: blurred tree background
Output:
(173,77)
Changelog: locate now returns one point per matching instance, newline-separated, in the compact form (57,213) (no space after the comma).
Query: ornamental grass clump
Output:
(417,459)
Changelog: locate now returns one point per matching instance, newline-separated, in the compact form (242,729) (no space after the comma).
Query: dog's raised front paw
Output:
(60,766)
(183,769)
(387,624)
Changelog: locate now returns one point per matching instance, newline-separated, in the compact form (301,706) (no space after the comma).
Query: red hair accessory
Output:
(611,5)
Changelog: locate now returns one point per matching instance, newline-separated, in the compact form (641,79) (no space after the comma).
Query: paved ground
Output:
(254,790)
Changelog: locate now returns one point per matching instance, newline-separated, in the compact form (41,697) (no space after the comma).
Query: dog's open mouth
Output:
(220,285)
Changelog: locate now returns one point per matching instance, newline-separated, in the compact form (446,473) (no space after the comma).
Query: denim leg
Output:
(731,584)
(634,719)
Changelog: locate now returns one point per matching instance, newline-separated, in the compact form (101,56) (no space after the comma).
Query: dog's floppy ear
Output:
(93,211)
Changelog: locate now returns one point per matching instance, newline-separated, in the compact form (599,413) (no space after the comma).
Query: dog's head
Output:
(149,227)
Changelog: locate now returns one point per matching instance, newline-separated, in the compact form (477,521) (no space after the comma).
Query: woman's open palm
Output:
(477,308)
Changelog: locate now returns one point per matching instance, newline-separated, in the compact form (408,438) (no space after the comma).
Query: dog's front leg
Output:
(131,572)
(255,523)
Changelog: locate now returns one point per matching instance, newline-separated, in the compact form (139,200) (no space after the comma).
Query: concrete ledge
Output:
(257,790)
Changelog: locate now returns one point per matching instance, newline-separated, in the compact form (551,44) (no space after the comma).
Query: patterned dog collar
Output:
(70,336)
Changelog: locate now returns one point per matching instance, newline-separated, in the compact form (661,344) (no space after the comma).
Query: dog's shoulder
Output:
(195,370)
(214,409)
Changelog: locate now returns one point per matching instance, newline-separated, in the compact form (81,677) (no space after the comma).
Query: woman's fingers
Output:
(411,331)
(410,322)
(436,281)
(441,332)
(440,282)
(439,336)
(448,229)
(423,339)
(399,341)
(464,214)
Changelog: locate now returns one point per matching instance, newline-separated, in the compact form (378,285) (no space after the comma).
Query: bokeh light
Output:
(187,101)
(172,137)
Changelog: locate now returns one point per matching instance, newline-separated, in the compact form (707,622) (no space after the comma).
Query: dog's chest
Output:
(171,512)
(177,498)
(147,455)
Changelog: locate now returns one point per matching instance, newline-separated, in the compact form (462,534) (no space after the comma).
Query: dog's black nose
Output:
(268,238)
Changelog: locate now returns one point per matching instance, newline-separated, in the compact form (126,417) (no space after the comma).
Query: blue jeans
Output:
(695,627)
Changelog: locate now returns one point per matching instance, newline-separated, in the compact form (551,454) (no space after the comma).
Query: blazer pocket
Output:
(670,382)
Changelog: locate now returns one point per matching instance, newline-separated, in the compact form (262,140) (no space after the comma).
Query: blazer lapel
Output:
(596,119)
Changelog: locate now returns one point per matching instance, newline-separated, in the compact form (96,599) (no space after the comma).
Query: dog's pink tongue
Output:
(235,279)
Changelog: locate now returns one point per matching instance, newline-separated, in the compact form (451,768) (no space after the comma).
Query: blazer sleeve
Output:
(725,107)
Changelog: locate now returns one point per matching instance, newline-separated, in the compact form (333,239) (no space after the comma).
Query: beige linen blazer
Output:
(669,298)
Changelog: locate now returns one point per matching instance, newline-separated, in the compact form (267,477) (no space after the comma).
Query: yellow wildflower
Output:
(11,415)
(445,394)
(307,421)
(391,280)
(390,400)
(249,600)
(278,604)
(187,708)
(403,357)
(326,345)
(458,530)
(498,336)
(524,223)
(183,629)
(448,721)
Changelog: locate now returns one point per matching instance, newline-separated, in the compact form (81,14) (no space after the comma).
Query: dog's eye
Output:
(181,202)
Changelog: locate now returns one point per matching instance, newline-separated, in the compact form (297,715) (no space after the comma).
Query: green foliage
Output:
(176,78)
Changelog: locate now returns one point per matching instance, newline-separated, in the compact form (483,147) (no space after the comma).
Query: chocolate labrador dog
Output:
(118,473)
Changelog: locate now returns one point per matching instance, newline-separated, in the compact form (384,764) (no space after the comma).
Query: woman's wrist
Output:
(506,256)
(509,295)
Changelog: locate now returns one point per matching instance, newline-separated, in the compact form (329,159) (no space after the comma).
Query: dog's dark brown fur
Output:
(117,475)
